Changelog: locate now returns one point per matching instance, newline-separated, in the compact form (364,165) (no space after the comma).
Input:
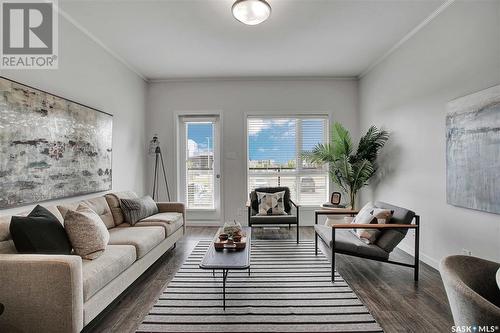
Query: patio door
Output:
(200,177)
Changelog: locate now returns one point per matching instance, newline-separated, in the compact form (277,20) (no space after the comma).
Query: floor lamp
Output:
(154,148)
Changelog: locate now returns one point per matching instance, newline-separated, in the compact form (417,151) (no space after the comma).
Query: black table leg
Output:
(333,255)
(224,276)
(315,235)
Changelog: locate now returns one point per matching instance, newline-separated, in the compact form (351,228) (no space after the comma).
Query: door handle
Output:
(217,176)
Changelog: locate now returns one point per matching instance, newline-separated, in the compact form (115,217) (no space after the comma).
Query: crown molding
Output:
(96,40)
(255,78)
(409,35)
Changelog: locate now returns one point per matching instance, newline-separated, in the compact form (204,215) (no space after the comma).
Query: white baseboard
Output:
(423,257)
(203,223)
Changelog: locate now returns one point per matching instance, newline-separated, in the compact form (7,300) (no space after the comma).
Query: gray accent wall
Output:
(234,99)
(456,54)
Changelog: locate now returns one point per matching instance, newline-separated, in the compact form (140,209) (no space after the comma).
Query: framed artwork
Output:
(473,151)
(335,198)
(50,147)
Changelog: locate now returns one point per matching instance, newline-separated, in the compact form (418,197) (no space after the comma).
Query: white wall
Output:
(89,75)
(235,99)
(456,54)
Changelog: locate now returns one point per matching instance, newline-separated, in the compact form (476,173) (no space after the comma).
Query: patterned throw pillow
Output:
(271,203)
(371,215)
(367,236)
(86,231)
(135,210)
(368,207)
(364,216)
(382,215)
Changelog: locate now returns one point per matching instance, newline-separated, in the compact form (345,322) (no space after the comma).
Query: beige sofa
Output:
(63,293)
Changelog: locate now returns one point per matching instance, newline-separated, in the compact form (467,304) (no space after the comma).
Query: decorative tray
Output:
(221,244)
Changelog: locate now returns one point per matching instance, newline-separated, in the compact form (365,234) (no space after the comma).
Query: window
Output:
(275,146)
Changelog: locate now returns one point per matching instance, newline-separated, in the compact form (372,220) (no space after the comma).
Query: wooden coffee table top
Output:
(227,258)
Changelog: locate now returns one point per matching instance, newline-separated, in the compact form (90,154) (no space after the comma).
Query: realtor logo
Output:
(29,34)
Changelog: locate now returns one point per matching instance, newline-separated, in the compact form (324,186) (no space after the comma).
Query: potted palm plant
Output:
(349,169)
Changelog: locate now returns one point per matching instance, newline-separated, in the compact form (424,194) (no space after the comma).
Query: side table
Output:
(337,215)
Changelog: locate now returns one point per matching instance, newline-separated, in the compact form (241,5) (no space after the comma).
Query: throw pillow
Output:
(382,215)
(368,207)
(39,233)
(368,236)
(378,216)
(86,231)
(364,216)
(271,203)
(135,210)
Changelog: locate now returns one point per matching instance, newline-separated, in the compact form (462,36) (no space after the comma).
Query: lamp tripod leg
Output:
(155,176)
(165,176)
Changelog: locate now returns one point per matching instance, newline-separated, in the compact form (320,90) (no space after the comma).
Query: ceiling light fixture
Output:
(251,12)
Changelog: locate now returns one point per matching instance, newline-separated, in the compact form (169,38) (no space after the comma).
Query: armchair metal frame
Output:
(415,226)
(249,207)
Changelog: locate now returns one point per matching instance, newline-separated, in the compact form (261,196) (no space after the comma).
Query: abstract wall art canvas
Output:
(50,147)
(473,151)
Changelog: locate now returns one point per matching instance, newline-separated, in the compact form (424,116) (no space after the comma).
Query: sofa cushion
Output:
(7,247)
(99,272)
(99,205)
(171,222)
(346,241)
(144,238)
(113,200)
(55,212)
(4,228)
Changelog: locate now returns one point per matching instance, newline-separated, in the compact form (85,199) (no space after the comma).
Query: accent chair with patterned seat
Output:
(291,216)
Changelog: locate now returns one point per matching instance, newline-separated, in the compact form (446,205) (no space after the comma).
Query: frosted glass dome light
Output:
(251,12)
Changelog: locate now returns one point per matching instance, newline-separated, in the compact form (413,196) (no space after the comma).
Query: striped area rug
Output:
(289,290)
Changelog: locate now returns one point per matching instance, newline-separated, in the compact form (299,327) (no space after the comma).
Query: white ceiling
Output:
(166,39)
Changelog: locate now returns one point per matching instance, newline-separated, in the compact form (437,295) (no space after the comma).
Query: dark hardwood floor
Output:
(394,299)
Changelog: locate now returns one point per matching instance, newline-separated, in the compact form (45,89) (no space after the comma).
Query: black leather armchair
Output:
(292,217)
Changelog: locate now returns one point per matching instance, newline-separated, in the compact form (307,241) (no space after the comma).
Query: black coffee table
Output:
(228,259)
